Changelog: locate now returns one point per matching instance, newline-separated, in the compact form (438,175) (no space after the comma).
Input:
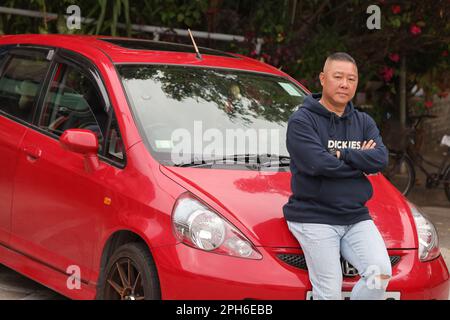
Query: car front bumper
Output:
(187,273)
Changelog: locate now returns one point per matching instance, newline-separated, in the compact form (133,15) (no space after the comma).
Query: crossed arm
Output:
(373,155)
(309,155)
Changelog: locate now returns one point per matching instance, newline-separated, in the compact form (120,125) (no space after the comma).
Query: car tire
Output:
(130,274)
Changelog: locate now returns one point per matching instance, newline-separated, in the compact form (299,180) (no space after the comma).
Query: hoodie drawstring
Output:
(347,123)
(332,125)
(311,103)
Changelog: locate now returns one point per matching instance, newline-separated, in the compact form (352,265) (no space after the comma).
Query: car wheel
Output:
(130,275)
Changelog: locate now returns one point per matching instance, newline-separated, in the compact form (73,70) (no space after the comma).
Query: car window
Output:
(171,101)
(20,83)
(114,144)
(73,101)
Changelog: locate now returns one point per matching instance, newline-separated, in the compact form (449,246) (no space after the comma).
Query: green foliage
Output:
(297,34)
(171,13)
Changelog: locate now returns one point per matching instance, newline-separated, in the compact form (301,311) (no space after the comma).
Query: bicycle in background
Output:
(401,170)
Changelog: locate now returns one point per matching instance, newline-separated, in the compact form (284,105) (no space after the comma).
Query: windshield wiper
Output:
(256,163)
(277,161)
(222,160)
(194,163)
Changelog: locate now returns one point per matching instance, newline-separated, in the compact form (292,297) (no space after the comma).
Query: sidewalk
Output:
(14,286)
(419,194)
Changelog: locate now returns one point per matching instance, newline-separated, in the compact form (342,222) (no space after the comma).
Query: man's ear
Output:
(321,78)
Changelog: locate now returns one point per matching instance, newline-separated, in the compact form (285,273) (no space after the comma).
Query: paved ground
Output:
(14,286)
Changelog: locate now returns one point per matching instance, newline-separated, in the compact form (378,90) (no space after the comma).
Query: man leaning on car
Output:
(333,147)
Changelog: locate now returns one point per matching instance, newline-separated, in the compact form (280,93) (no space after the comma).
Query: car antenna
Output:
(199,56)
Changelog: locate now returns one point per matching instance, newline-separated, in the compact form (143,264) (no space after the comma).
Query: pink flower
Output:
(387,73)
(396,9)
(428,104)
(415,30)
(444,53)
(394,57)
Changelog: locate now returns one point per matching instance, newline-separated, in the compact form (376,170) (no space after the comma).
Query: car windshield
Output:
(196,114)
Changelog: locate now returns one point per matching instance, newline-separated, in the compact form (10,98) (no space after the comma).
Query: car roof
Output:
(151,45)
(122,50)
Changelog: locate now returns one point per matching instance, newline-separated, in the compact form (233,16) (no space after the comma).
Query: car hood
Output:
(256,199)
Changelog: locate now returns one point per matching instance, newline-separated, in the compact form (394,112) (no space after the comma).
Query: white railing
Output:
(157,31)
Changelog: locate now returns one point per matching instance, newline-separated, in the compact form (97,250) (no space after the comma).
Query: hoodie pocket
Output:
(345,193)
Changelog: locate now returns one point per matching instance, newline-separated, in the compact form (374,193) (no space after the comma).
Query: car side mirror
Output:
(84,142)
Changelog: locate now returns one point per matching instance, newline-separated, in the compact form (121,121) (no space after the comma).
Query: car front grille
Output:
(298,261)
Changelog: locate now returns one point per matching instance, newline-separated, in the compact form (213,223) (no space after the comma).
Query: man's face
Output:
(339,80)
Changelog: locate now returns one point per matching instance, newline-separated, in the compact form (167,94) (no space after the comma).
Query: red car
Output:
(98,199)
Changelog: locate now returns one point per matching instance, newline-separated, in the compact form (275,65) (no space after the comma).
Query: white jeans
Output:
(360,244)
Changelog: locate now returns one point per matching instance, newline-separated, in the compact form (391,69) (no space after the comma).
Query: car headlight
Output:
(197,225)
(426,232)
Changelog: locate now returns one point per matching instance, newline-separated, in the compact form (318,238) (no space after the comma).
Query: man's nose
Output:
(344,83)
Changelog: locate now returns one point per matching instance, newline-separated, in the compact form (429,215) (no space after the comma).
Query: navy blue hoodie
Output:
(326,189)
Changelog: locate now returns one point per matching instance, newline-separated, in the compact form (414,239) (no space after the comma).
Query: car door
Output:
(57,203)
(21,74)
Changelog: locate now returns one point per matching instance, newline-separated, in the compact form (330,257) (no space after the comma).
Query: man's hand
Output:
(366,146)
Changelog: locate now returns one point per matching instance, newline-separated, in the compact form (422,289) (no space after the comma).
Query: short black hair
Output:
(341,56)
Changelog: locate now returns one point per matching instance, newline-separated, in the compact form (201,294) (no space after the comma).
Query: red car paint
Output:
(55,213)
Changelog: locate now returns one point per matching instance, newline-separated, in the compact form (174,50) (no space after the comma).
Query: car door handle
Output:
(33,153)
